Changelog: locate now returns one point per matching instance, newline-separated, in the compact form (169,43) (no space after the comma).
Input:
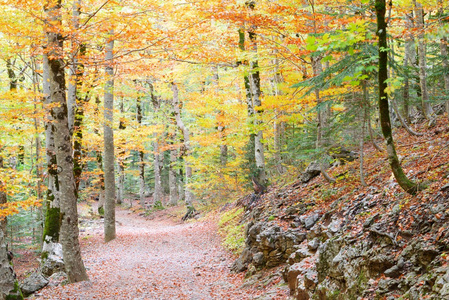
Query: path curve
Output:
(154,259)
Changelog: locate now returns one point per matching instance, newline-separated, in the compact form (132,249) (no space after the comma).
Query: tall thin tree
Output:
(109,159)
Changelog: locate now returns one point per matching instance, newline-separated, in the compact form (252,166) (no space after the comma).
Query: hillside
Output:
(347,241)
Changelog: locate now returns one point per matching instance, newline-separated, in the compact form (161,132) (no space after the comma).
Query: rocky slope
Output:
(346,241)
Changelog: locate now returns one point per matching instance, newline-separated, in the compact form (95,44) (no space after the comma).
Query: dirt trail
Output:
(154,259)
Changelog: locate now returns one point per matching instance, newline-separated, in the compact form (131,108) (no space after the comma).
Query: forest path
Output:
(154,259)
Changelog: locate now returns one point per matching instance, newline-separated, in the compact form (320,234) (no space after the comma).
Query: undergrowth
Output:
(232,231)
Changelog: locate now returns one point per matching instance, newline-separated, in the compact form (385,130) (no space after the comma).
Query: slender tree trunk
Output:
(185,131)
(445,61)
(141,157)
(409,186)
(157,164)
(254,79)
(172,179)
(121,160)
(39,227)
(279,126)
(109,159)
(13,82)
(69,232)
(250,149)
(52,222)
(427,107)
(79,101)
(408,61)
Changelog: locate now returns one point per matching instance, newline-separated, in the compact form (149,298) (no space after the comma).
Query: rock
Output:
(292,275)
(251,271)
(335,226)
(241,264)
(53,262)
(380,263)
(312,170)
(302,278)
(301,253)
(311,220)
(258,259)
(395,271)
(33,283)
(57,279)
(386,285)
(314,244)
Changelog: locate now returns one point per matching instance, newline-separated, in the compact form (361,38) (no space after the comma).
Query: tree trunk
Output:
(254,79)
(445,61)
(409,58)
(141,157)
(157,194)
(52,222)
(250,154)
(279,126)
(172,179)
(78,100)
(69,232)
(409,186)
(185,131)
(121,161)
(109,160)
(9,286)
(427,107)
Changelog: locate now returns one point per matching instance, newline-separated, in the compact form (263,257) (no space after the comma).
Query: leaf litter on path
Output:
(154,259)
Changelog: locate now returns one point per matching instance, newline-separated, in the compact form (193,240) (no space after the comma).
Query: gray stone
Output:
(311,220)
(301,253)
(314,244)
(335,226)
(241,264)
(33,283)
(258,259)
(57,279)
(54,261)
(312,170)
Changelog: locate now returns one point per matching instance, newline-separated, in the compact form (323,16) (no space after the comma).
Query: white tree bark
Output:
(109,159)
(157,195)
(185,131)
(121,164)
(72,84)
(426,106)
(172,179)
(69,232)
(52,204)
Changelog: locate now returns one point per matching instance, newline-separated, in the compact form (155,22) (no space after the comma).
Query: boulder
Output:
(57,279)
(33,283)
(52,261)
(312,171)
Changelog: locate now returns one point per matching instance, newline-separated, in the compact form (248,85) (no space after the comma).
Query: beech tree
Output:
(384,111)
(69,217)
(109,158)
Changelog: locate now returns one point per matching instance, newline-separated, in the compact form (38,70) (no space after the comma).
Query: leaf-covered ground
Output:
(154,259)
